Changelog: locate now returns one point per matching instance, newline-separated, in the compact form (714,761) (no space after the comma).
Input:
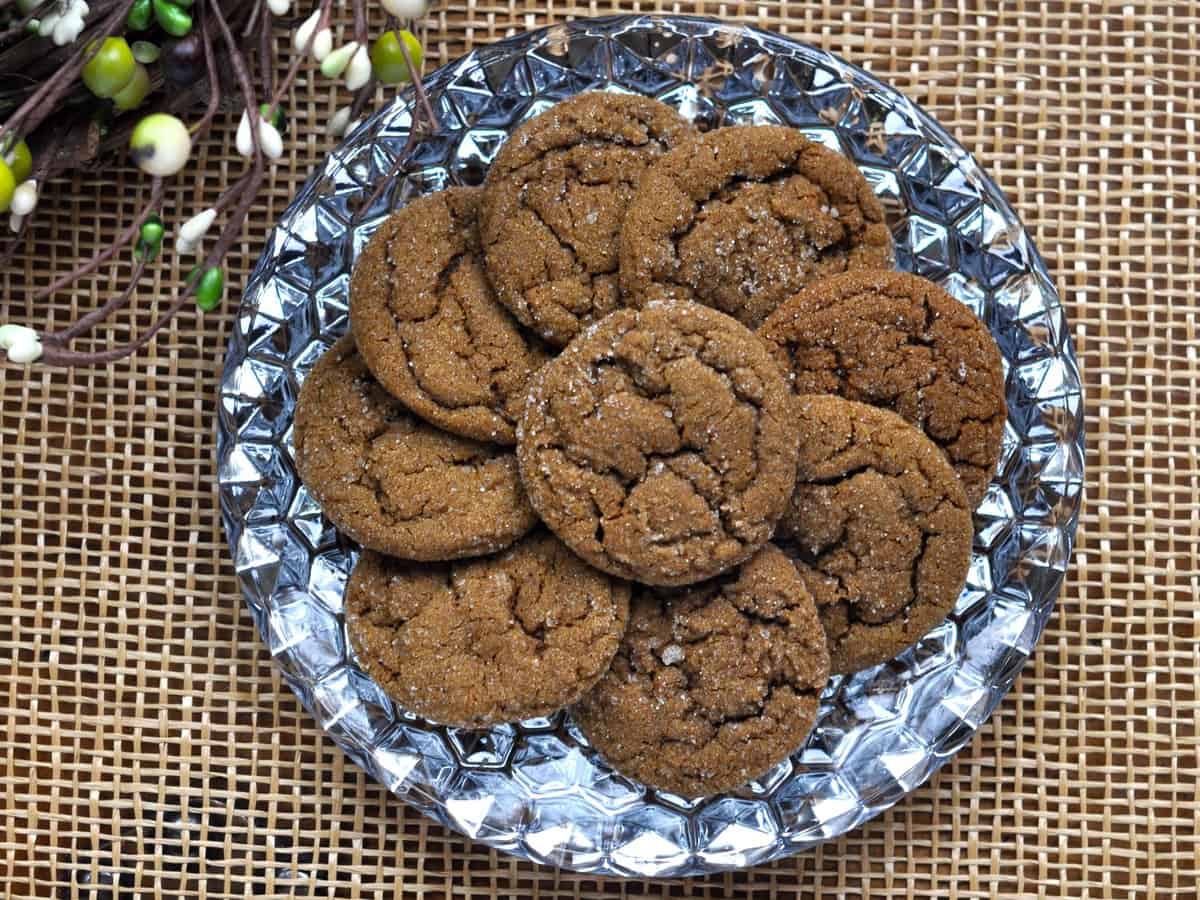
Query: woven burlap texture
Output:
(148,748)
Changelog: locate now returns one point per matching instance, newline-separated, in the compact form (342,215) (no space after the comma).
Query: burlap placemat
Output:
(150,749)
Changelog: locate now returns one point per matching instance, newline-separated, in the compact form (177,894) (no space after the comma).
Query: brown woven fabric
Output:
(134,690)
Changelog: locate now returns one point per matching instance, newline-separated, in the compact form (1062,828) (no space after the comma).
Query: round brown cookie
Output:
(714,683)
(392,482)
(486,640)
(555,198)
(659,444)
(878,527)
(430,328)
(743,217)
(898,341)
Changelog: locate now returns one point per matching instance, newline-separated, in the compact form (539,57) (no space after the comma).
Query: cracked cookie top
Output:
(713,684)
(878,528)
(554,201)
(898,341)
(489,640)
(430,328)
(743,217)
(659,445)
(392,482)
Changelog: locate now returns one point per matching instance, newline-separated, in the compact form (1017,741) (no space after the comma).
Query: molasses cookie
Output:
(392,482)
(743,217)
(429,327)
(878,527)
(713,684)
(487,640)
(555,198)
(898,341)
(659,445)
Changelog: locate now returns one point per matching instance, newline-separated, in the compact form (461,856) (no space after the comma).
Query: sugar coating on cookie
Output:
(898,341)
(713,684)
(878,527)
(659,444)
(554,200)
(489,640)
(743,217)
(429,327)
(394,483)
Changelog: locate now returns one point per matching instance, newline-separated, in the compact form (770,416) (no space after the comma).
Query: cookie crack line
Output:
(566,243)
(394,483)
(554,201)
(450,643)
(843,245)
(440,289)
(525,171)
(900,342)
(657,463)
(563,243)
(847,359)
(659,438)
(840,478)
(429,325)
(915,575)
(441,284)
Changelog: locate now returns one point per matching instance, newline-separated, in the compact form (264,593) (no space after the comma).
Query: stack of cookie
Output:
(581,479)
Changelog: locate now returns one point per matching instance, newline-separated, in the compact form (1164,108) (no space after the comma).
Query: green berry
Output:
(150,238)
(140,16)
(387,59)
(8,184)
(278,120)
(132,95)
(171,17)
(210,289)
(160,144)
(145,52)
(110,69)
(20,160)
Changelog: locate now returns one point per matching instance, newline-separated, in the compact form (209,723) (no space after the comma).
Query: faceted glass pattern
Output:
(536,789)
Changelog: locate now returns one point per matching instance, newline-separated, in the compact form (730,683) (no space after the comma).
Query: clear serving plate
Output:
(536,789)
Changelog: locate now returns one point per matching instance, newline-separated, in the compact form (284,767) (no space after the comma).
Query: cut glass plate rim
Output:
(535,789)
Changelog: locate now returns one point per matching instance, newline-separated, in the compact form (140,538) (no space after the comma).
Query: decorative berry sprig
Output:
(146,78)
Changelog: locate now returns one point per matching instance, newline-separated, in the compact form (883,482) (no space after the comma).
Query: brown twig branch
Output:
(299,59)
(55,354)
(421,105)
(23,23)
(65,142)
(98,315)
(44,100)
(122,241)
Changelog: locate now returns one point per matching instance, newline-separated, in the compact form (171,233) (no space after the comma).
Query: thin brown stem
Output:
(214,77)
(252,20)
(419,87)
(19,27)
(360,22)
(300,58)
(265,58)
(234,191)
(121,241)
(44,100)
(58,355)
(86,323)
(242,76)
(422,105)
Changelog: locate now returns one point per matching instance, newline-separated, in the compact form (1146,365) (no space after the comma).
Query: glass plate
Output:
(536,789)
